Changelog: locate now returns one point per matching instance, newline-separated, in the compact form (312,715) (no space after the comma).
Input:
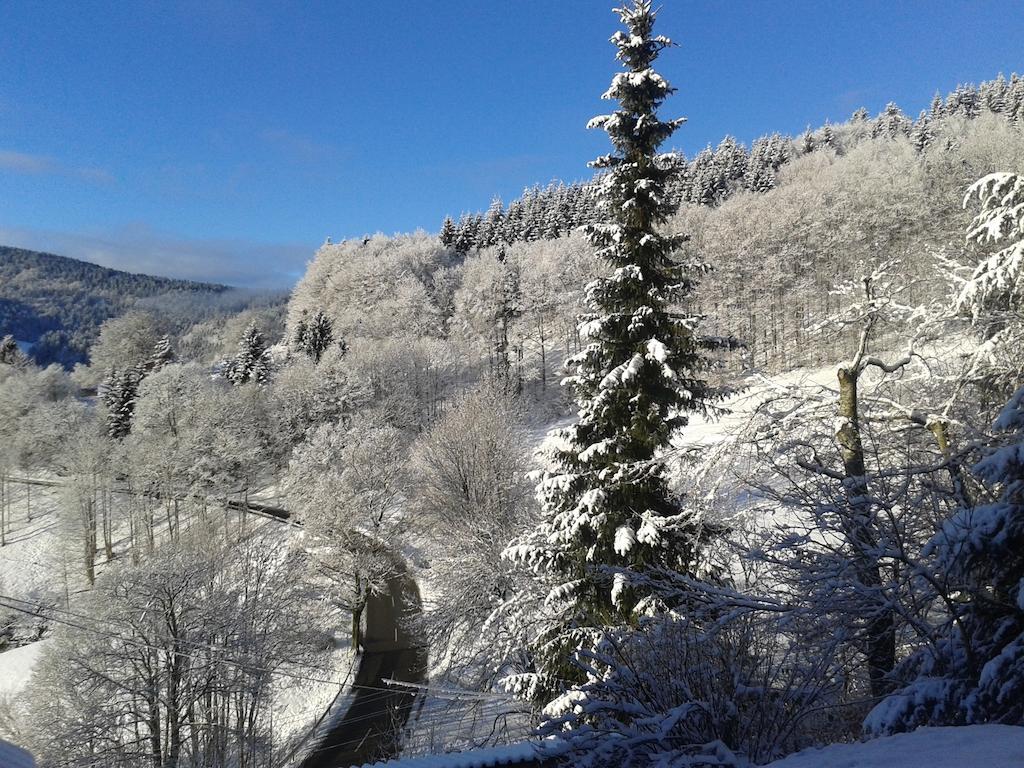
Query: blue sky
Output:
(224,141)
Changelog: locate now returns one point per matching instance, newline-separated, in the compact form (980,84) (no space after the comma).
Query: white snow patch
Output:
(990,746)
(16,667)
(477,758)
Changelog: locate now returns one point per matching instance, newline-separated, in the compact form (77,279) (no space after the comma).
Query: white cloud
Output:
(42,165)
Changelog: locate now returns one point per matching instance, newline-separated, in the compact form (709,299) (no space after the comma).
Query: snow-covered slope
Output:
(975,746)
(30,562)
(16,668)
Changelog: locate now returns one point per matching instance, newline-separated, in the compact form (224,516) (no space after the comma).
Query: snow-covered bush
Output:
(974,671)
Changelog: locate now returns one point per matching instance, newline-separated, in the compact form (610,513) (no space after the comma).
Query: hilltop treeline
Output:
(780,257)
(715,174)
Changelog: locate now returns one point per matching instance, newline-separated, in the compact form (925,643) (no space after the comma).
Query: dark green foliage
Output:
(252,363)
(608,513)
(315,335)
(118,392)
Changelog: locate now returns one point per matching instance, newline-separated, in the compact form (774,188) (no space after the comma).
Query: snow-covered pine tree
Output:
(827,138)
(607,509)
(252,363)
(922,134)
(1000,277)
(315,335)
(493,225)
(807,142)
(163,354)
(731,162)
(1015,100)
(993,94)
(706,184)
(448,232)
(465,235)
(10,354)
(119,392)
(891,123)
(964,101)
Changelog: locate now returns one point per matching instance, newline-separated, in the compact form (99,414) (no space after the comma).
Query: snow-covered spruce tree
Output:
(163,354)
(448,232)
(10,354)
(992,294)
(119,392)
(314,336)
(252,363)
(607,508)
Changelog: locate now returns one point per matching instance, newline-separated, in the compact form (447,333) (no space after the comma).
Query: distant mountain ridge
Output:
(56,304)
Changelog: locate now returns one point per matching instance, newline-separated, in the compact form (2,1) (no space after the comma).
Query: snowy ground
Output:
(975,746)
(299,703)
(30,563)
(16,667)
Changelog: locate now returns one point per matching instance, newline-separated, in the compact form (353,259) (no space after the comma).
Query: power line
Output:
(148,646)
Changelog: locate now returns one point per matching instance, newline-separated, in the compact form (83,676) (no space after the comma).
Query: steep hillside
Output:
(57,304)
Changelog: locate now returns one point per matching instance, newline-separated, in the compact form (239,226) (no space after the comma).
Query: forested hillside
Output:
(783,257)
(57,304)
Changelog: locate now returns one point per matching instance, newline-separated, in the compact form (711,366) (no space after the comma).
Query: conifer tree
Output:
(827,137)
(891,123)
(922,134)
(993,94)
(163,354)
(706,183)
(964,101)
(974,671)
(448,232)
(119,392)
(10,354)
(731,162)
(465,237)
(252,363)
(493,224)
(607,510)
(315,335)
(807,142)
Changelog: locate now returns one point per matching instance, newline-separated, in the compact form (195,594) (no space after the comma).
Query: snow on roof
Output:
(991,746)
(510,754)
(15,757)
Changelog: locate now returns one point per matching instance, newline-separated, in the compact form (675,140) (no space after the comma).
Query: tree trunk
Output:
(880,631)
(357,615)
(940,430)
(543,355)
